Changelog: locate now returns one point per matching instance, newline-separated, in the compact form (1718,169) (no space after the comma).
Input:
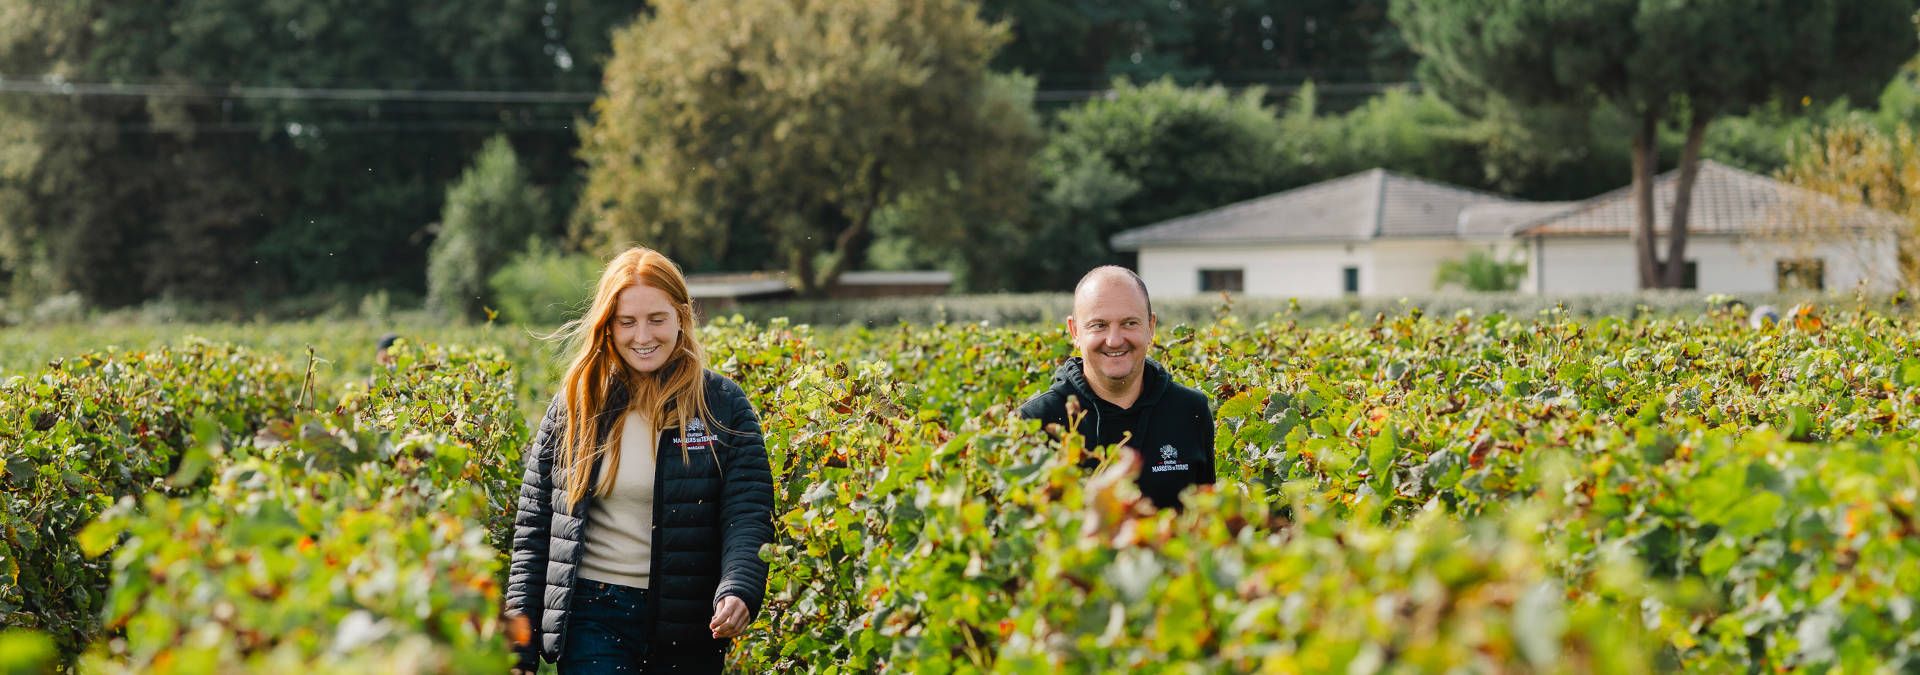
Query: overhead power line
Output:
(56,87)
(48,87)
(326,129)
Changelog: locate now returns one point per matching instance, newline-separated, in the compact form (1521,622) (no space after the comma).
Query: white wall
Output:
(1407,267)
(1304,271)
(1395,267)
(1566,265)
(1569,265)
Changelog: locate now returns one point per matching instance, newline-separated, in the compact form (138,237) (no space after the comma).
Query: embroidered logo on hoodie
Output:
(1169,460)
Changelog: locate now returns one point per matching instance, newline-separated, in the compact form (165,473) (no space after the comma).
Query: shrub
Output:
(1479,272)
(545,286)
(65,307)
(491,210)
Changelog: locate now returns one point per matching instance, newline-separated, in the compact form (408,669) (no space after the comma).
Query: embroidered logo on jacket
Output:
(1169,460)
(696,436)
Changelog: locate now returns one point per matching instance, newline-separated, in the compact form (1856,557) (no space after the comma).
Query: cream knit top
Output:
(620,537)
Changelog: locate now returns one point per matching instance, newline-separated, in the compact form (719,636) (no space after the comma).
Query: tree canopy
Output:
(208,146)
(1655,60)
(795,118)
(1082,45)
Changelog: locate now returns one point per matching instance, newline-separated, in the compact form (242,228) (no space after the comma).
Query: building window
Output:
(1231,281)
(1689,278)
(1350,280)
(1800,274)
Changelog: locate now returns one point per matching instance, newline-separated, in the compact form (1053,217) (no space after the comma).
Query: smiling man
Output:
(1128,398)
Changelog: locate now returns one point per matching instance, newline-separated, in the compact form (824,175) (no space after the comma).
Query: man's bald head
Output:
(1112,327)
(1110,274)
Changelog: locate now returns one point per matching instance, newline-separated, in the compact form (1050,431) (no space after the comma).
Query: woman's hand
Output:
(729,618)
(520,639)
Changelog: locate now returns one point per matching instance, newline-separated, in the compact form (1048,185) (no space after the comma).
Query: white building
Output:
(1384,234)
(1371,233)
(1746,233)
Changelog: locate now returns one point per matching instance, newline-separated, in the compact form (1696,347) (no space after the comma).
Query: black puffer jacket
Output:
(710,519)
(1170,425)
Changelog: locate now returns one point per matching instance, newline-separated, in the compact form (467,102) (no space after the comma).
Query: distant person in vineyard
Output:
(1127,398)
(382,350)
(647,494)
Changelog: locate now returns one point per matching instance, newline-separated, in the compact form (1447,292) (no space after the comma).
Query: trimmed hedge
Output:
(1049,308)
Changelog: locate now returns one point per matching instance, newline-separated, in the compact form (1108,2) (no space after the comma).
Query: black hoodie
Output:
(1170,425)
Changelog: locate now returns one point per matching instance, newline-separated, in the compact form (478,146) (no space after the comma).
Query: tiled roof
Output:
(1498,220)
(1366,205)
(1726,200)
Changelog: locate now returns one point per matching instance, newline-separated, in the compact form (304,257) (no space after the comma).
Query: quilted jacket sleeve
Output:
(746,509)
(527,574)
(1205,416)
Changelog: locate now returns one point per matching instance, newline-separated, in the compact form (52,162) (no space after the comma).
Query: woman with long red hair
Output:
(646,496)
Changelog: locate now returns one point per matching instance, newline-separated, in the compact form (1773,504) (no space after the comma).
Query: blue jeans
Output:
(608,631)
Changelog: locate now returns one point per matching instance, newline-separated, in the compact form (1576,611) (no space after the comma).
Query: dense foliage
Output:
(782,128)
(156,186)
(235,150)
(1077,46)
(88,430)
(235,158)
(1406,491)
(1860,164)
(367,538)
(1702,472)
